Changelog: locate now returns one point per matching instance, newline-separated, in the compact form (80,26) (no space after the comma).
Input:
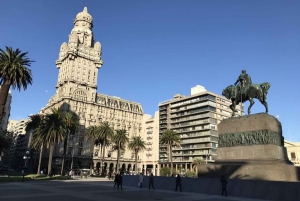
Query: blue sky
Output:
(155,49)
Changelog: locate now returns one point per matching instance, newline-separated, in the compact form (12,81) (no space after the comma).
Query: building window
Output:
(293,156)
(79,152)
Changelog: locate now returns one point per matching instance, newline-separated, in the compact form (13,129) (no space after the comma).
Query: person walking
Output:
(116,180)
(141,179)
(224,185)
(120,181)
(151,181)
(178,182)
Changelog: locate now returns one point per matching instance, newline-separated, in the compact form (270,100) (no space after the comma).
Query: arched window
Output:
(80,95)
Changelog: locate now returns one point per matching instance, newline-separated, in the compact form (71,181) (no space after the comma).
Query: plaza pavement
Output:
(100,189)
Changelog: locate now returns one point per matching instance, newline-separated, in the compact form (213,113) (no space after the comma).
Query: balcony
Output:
(149,149)
(148,155)
(149,132)
(149,138)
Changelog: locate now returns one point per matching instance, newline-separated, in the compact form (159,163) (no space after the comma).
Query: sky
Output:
(155,49)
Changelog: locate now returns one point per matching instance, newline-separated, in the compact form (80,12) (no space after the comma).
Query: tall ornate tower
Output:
(79,61)
(76,91)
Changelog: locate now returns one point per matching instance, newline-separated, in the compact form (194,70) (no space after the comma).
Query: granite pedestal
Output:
(251,147)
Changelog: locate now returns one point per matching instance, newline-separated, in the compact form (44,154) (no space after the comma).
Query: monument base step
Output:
(251,171)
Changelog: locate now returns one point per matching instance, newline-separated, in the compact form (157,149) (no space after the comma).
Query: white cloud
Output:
(46,91)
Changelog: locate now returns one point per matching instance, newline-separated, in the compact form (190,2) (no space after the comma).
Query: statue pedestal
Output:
(251,147)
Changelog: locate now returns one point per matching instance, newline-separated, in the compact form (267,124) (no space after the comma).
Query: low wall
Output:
(258,189)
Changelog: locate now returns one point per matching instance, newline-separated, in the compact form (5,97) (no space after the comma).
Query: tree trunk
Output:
(118,157)
(40,160)
(136,154)
(4,90)
(103,155)
(171,160)
(92,150)
(50,160)
(64,155)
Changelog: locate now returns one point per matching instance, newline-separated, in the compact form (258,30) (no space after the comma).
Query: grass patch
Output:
(32,177)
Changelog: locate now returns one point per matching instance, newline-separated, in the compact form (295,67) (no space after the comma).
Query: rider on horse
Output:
(244,81)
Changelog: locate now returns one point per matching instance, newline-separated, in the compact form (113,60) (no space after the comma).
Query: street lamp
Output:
(26,157)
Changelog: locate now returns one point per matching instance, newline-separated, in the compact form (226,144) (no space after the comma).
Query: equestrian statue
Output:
(243,90)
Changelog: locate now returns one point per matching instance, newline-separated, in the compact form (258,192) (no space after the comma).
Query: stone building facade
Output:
(76,90)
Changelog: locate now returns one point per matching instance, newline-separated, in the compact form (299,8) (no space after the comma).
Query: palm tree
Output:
(92,133)
(71,122)
(120,139)
(36,142)
(105,134)
(136,144)
(196,162)
(170,138)
(53,131)
(5,140)
(13,72)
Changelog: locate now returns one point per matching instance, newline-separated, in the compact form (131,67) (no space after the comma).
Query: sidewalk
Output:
(96,189)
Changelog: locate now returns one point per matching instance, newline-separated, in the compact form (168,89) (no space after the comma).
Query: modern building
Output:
(76,90)
(293,151)
(4,122)
(21,143)
(195,119)
(150,129)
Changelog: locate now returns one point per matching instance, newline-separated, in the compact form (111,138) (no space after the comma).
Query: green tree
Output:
(106,133)
(165,171)
(120,140)
(14,73)
(71,122)
(53,131)
(136,144)
(196,162)
(190,174)
(5,140)
(36,140)
(170,138)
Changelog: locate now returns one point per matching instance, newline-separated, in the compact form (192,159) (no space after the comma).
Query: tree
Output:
(136,144)
(165,171)
(5,140)
(170,138)
(120,139)
(105,134)
(53,131)
(196,162)
(36,143)
(71,122)
(14,73)
(92,134)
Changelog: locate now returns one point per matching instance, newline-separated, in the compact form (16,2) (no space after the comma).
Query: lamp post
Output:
(26,157)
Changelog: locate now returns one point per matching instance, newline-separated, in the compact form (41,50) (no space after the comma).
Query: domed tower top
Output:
(84,16)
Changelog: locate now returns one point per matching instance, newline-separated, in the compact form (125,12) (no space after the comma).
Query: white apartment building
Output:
(150,130)
(76,90)
(195,119)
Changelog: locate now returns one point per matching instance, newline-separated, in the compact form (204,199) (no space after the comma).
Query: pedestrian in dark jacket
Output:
(115,180)
(178,182)
(120,181)
(151,181)
(224,185)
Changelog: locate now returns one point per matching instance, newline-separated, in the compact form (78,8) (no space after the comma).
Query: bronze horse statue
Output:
(258,91)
